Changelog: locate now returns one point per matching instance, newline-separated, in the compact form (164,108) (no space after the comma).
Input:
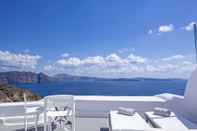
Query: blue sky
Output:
(104,38)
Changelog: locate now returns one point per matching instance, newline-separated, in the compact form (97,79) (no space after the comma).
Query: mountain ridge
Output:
(23,77)
(32,77)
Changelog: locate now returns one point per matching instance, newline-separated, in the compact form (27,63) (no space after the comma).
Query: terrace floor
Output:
(82,124)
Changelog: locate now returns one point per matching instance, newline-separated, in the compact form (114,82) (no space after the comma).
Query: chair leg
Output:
(25,123)
(36,122)
(45,121)
(73,123)
(50,126)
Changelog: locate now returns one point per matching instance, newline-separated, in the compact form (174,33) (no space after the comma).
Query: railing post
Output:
(45,114)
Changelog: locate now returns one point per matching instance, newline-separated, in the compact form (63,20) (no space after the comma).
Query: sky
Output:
(102,38)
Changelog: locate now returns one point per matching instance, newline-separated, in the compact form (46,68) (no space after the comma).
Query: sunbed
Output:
(122,122)
(170,123)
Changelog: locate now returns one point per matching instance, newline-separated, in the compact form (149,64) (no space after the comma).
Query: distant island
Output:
(32,77)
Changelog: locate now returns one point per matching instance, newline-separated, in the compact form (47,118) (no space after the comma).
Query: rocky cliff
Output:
(9,93)
(23,77)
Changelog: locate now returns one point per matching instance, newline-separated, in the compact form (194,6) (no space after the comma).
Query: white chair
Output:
(59,110)
(31,111)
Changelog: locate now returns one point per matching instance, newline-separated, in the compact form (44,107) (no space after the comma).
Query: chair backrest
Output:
(190,96)
(59,101)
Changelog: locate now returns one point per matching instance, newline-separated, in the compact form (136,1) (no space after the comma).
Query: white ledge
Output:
(97,98)
(119,98)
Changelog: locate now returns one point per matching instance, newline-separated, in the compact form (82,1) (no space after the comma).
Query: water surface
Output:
(111,88)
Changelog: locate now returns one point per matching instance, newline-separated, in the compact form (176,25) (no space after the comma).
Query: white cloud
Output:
(65,55)
(174,57)
(151,68)
(97,64)
(13,61)
(189,27)
(150,32)
(166,28)
(162,29)
(111,65)
(48,67)
(132,65)
(113,58)
(170,28)
(97,60)
(136,59)
(73,61)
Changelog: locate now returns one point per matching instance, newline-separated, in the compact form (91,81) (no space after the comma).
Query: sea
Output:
(109,87)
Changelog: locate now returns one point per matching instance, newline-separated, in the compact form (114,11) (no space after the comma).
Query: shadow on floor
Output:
(41,128)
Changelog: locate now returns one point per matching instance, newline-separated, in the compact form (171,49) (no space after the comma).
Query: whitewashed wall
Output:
(93,106)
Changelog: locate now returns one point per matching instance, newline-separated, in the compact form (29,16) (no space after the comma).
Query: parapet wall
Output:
(93,106)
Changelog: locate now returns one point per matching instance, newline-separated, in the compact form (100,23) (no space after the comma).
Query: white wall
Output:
(190,97)
(93,106)
(186,105)
(101,106)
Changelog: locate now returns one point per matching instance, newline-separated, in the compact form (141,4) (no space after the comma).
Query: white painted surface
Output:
(121,122)
(100,106)
(119,98)
(92,111)
(168,96)
(185,105)
(82,124)
(190,96)
(95,108)
(92,106)
(172,123)
(91,124)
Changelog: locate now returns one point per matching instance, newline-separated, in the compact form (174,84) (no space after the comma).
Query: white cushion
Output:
(126,111)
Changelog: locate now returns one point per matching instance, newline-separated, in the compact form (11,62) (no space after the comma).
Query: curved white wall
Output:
(190,96)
